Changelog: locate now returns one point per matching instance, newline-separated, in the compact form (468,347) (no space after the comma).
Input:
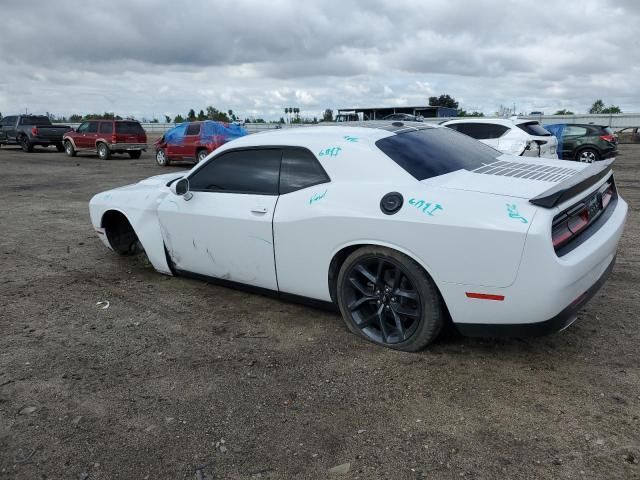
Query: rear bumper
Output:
(45,140)
(555,324)
(128,146)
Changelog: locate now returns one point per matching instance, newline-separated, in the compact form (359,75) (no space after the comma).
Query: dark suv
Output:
(107,137)
(584,142)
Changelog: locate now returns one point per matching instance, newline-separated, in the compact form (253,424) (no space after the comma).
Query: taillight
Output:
(608,138)
(572,222)
(114,138)
(34,131)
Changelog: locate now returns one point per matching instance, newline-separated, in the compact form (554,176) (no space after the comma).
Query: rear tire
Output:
(387,298)
(135,154)
(103,151)
(26,144)
(161,158)
(587,155)
(69,149)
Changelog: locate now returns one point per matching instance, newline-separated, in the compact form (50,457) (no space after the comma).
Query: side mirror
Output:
(181,188)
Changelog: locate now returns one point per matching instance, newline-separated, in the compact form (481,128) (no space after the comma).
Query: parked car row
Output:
(579,142)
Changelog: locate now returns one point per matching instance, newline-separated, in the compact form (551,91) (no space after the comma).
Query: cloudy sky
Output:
(150,58)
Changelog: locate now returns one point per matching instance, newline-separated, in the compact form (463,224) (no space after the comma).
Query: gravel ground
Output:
(179,379)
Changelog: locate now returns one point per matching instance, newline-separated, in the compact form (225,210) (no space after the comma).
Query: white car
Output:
(401,227)
(513,136)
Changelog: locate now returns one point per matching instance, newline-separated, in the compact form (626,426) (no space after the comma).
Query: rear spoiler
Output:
(573,185)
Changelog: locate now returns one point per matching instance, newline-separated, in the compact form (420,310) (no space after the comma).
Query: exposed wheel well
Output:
(121,235)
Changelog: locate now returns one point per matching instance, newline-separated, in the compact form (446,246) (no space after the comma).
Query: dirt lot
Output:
(178,379)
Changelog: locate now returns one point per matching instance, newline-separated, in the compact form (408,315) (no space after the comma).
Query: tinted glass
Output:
(571,130)
(40,120)
(129,127)
(480,131)
(83,127)
(9,121)
(534,128)
(245,171)
(93,127)
(436,151)
(106,127)
(300,169)
(193,129)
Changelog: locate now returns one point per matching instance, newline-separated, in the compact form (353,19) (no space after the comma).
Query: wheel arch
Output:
(340,255)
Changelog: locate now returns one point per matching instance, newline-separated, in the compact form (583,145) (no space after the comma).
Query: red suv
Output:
(193,141)
(107,137)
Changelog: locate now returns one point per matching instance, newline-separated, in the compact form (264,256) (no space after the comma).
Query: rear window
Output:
(436,151)
(534,128)
(35,121)
(129,127)
(480,131)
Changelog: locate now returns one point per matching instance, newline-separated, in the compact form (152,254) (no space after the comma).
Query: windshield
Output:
(432,152)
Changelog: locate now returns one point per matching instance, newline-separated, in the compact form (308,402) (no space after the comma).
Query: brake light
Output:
(608,138)
(34,131)
(114,138)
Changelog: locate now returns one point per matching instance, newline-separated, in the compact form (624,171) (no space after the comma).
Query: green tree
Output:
(178,119)
(443,101)
(612,109)
(232,116)
(464,113)
(154,120)
(281,120)
(327,116)
(75,118)
(564,111)
(191,116)
(215,114)
(201,115)
(597,106)
(167,119)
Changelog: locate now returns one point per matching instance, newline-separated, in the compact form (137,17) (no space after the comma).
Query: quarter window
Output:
(241,171)
(300,169)
(193,129)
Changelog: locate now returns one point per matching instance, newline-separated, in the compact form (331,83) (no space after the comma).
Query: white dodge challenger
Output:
(403,227)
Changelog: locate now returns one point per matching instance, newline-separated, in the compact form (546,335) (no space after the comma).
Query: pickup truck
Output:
(31,130)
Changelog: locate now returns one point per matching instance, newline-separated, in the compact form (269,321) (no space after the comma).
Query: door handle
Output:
(260,210)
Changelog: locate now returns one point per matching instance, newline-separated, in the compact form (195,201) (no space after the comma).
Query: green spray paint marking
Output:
(330,152)
(426,207)
(316,197)
(349,138)
(513,212)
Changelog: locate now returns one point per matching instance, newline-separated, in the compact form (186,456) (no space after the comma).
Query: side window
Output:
(83,127)
(572,130)
(193,129)
(300,169)
(92,127)
(9,121)
(106,127)
(242,171)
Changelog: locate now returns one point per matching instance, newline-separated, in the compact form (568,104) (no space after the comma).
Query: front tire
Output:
(135,154)
(26,145)
(103,152)
(161,158)
(387,298)
(69,149)
(588,155)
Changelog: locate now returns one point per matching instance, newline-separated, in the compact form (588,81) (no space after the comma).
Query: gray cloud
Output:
(148,58)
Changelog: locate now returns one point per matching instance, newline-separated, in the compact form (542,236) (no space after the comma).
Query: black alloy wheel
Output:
(387,298)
